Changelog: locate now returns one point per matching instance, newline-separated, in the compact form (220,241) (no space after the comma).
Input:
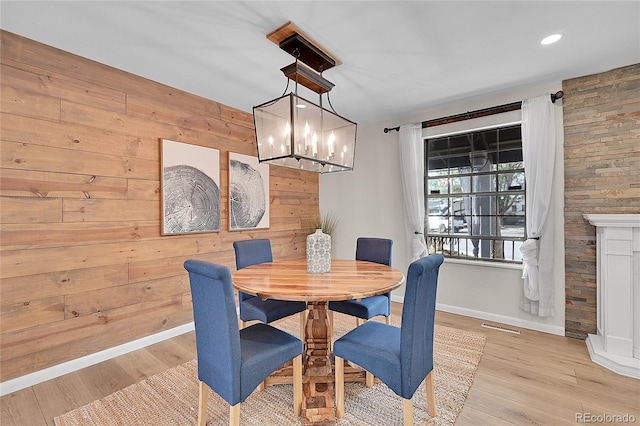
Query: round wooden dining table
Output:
(289,280)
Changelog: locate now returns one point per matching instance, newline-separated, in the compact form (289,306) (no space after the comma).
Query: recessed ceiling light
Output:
(551,39)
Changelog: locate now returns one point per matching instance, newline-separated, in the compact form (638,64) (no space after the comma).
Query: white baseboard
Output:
(517,322)
(49,373)
(399,299)
(626,366)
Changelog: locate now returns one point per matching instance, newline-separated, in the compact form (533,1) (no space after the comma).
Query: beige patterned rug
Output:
(171,397)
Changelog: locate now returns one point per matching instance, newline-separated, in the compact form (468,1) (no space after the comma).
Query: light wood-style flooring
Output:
(531,378)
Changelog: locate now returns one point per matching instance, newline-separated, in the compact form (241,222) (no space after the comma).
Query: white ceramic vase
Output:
(318,252)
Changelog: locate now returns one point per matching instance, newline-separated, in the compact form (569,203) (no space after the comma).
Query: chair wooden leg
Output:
(339,387)
(369,379)
(388,320)
(358,322)
(297,385)
(261,386)
(303,324)
(202,404)
(431,394)
(234,415)
(330,331)
(407,409)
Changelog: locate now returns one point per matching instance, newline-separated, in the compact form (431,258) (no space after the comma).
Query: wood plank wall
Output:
(83,266)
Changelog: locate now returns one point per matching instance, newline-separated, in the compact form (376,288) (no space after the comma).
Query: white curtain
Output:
(412,172)
(539,153)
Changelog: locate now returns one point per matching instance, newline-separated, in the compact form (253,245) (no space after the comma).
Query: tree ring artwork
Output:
(191,201)
(248,193)
(190,193)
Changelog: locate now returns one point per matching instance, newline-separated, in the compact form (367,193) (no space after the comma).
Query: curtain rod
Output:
(477,113)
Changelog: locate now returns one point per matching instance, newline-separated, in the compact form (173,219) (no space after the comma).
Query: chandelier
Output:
(292,131)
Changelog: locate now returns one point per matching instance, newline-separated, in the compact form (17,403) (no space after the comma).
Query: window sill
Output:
(482,263)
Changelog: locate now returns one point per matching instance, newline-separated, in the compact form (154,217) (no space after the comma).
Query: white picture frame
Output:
(248,193)
(190,186)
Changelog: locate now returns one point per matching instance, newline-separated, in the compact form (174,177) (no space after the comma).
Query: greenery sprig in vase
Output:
(327,222)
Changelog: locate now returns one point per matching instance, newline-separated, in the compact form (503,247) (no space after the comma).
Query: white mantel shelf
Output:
(617,344)
(614,220)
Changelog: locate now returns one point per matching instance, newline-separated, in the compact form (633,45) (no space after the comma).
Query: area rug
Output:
(171,397)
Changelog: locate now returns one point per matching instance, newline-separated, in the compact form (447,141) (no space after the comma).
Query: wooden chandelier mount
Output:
(311,58)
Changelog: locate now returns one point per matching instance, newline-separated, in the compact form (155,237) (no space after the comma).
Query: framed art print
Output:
(190,185)
(248,193)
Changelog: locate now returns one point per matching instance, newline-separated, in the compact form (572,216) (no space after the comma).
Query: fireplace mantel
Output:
(616,345)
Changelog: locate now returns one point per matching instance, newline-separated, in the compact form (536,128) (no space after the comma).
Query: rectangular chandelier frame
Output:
(292,131)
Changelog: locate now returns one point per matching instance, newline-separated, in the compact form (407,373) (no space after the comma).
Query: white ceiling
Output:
(398,57)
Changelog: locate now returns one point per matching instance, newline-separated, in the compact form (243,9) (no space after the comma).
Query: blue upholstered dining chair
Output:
(401,357)
(234,362)
(251,252)
(376,250)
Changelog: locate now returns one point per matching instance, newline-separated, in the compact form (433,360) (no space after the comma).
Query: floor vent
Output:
(501,328)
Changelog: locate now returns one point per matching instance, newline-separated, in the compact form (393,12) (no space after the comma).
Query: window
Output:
(475,194)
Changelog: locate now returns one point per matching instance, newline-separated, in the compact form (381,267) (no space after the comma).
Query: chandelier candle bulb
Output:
(332,139)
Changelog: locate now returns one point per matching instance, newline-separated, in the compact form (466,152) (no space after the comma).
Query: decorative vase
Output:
(318,252)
